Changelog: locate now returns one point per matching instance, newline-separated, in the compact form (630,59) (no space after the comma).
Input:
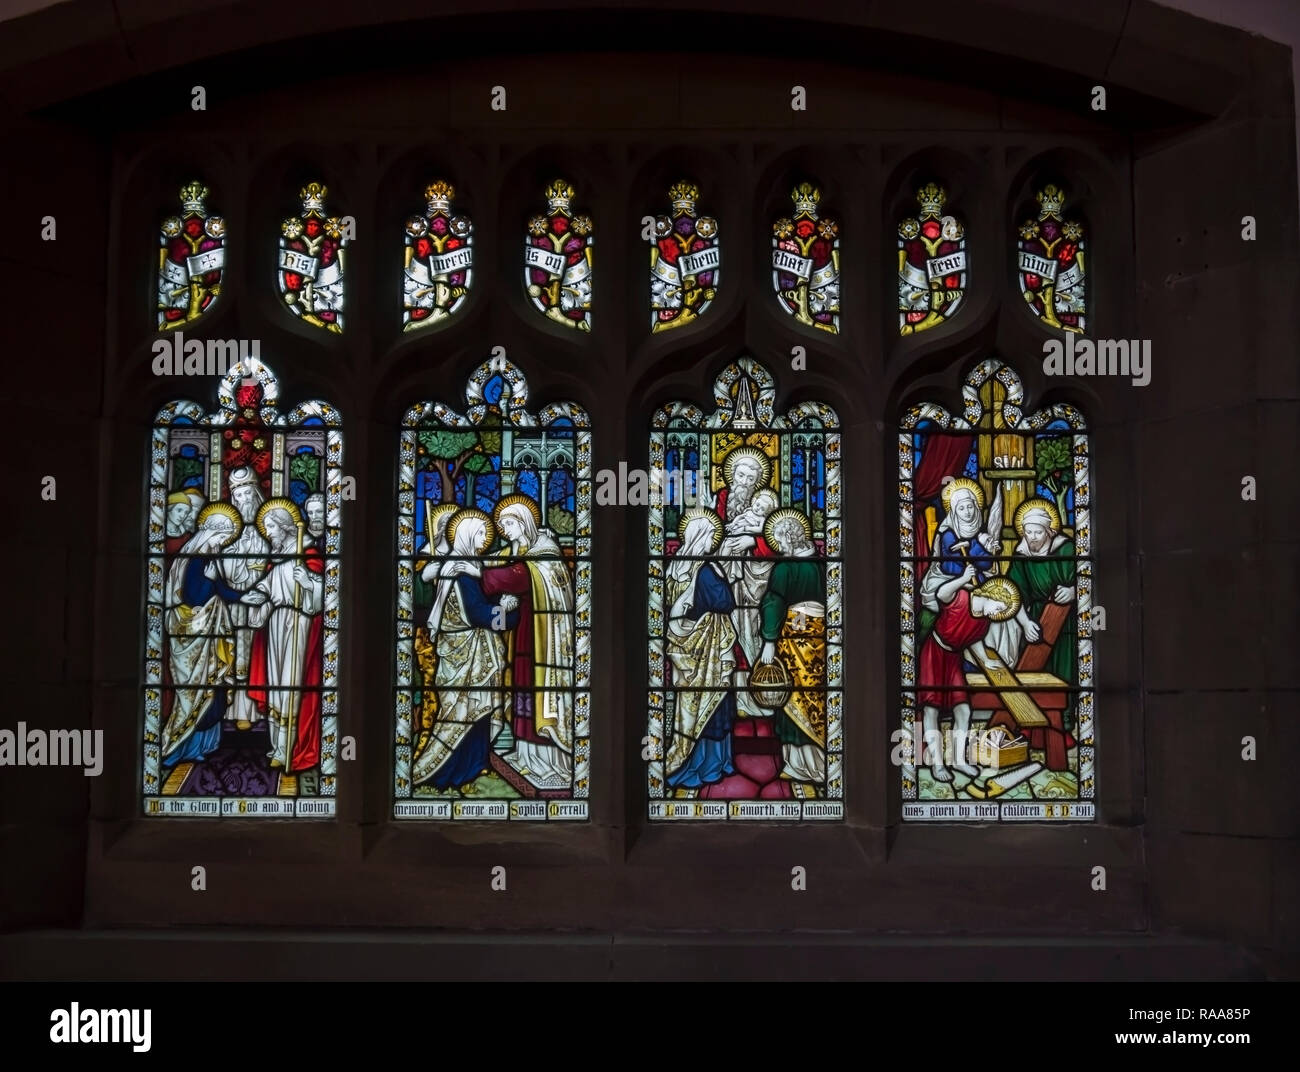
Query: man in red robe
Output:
(963,621)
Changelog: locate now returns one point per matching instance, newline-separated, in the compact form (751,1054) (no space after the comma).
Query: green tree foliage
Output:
(452,452)
(1054,466)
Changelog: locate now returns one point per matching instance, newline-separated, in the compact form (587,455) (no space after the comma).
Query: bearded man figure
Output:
(541,661)
(1043,569)
(241,568)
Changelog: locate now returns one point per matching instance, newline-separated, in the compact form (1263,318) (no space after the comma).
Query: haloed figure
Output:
(285,675)
(471,661)
(200,640)
(793,613)
(701,649)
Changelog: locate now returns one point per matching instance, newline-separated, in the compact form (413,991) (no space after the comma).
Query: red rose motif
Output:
(193,227)
(559,225)
(1066,253)
(453,243)
(292,281)
(804,228)
(423,247)
(312,227)
(930,229)
(668,250)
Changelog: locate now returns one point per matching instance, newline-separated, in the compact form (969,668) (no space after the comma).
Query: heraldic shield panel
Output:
(745,705)
(1051,262)
(242,605)
(493,607)
(997,704)
(309,273)
(191,260)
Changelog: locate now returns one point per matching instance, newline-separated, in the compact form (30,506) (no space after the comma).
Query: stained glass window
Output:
(191,260)
(996,582)
(806,262)
(493,607)
(242,605)
(745,704)
(931,263)
(1051,264)
(439,264)
(558,260)
(685,262)
(310,272)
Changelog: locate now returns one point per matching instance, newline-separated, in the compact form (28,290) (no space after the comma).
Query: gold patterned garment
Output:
(427,658)
(802,650)
(469,676)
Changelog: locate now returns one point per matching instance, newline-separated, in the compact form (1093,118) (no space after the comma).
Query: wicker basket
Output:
(770,685)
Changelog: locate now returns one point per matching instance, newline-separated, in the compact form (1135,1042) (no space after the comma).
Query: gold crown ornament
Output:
(931,198)
(559,196)
(193,194)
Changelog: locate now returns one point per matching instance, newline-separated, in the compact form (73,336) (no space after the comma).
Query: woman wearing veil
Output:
(200,639)
(467,631)
(701,648)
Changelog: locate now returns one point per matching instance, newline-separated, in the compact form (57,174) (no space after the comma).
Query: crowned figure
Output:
(438,266)
(684,262)
(557,260)
(191,259)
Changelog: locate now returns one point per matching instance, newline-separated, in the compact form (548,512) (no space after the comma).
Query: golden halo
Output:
(225,509)
(957,484)
(719,529)
(775,516)
(517,499)
(489,536)
(1003,589)
(433,512)
(280,503)
(1041,504)
(736,454)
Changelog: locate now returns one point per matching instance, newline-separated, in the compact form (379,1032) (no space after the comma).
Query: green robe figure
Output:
(793,614)
(1043,569)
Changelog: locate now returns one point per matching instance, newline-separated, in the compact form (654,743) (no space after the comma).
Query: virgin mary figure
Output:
(701,650)
(200,639)
(471,660)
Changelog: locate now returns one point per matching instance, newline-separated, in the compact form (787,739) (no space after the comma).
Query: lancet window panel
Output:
(493,632)
(996,578)
(242,606)
(745,706)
